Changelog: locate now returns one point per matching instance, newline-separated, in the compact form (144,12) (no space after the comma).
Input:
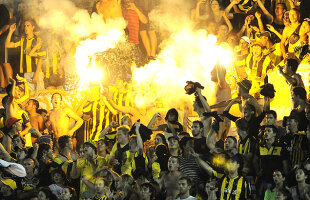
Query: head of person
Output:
(265,38)
(271,117)
(87,195)
(293,122)
(278,177)
(249,111)
(90,149)
(160,139)
(65,141)
(234,164)
(244,43)
(56,100)
(99,185)
(230,143)
(81,152)
(305,27)
(280,9)
(68,193)
(45,151)
(197,128)
(43,113)
(133,145)
(122,135)
(126,121)
(299,95)
(172,115)
(32,105)
(215,6)
(30,26)
(17,141)
(232,40)
(286,18)
(147,191)
(301,175)
(244,87)
(257,49)
(283,194)
(242,126)
(270,132)
(184,185)
(58,176)
(173,164)
(21,153)
(291,66)
(173,142)
(187,144)
(29,165)
(8,187)
(222,31)
(45,193)
(102,145)
(294,15)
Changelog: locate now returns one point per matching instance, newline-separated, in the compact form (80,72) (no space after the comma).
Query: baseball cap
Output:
(10,182)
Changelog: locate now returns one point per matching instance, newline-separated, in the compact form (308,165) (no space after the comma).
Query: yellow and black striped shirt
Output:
(234,188)
(299,148)
(248,145)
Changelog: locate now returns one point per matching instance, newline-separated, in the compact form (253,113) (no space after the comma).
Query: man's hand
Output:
(258,15)
(271,28)
(12,28)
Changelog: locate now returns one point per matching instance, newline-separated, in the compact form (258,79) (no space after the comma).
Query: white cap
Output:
(13,168)
(247,39)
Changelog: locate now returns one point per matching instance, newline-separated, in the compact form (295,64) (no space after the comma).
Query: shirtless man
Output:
(110,9)
(36,120)
(60,118)
(289,33)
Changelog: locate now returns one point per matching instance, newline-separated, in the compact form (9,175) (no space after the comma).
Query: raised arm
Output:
(139,139)
(260,22)
(227,21)
(205,166)
(106,130)
(127,110)
(272,29)
(8,43)
(150,124)
(232,4)
(26,95)
(203,101)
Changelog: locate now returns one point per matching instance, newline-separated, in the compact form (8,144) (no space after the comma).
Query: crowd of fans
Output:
(107,153)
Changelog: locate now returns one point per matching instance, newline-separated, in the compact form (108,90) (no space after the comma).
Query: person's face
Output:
(145,192)
(88,151)
(196,130)
(28,28)
(232,166)
(229,144)
(287,70)
(247,113)
(120,137)
(16,127)
(269,133)
(171,118)
(125,121)
(173,164)
(57,178)
(270,119)
(278,177)
(215,6)
(264,40)
(28,106)
(305,27)
(56,100)
(286,20)
(99,186)
(183,187)
(101,146)
(292,125)
(133,146)
(279,10)
(17,92)
(223,31)
(232,41)
(82,154)
(173,143)
(243,44)
(29,165)
(300,175)
(20,155)
(158,140)
(44,115)
(257,51)
(42,196)
(65,194)
(214,75)
(49,154)
(16,143)
(294,16)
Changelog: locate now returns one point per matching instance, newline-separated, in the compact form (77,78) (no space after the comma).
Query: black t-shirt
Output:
(279,28)
(200,146)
